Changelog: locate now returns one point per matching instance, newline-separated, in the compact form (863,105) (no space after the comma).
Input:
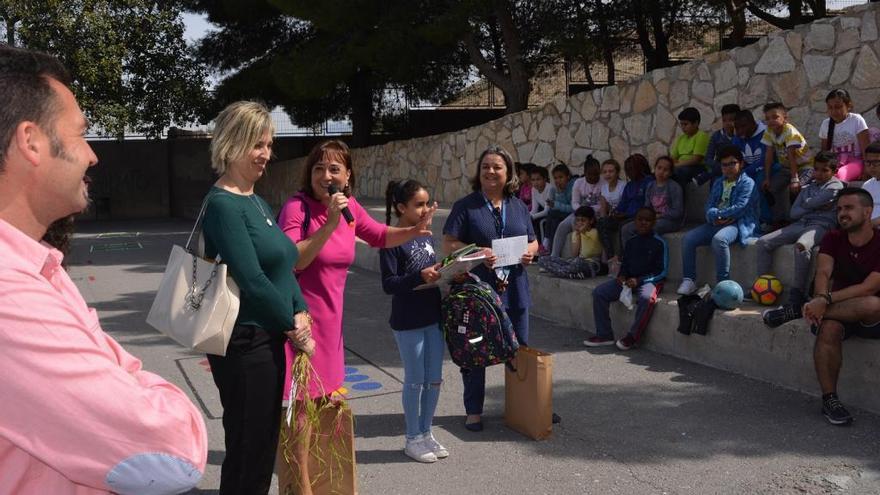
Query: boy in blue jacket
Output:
(731,215)
(645,261)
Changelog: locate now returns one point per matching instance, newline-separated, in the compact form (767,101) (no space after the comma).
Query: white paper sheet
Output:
(509,250)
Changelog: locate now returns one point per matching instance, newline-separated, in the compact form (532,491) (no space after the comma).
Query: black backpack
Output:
(477,329)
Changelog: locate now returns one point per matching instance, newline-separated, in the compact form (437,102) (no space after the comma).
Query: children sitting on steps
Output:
(872,185)
(541,191)
(644,265)
(665,197)
(586,191)
(633,197)
(786,144)
(689,149)
(731,216)
(560,202)
(846,134)
(813,213)
(586,250)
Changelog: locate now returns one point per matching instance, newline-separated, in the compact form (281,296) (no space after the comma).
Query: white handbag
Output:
(197,303)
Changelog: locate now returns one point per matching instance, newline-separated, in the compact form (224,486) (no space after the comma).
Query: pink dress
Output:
(323,284)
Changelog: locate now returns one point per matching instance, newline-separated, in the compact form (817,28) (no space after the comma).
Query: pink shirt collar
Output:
(22,252)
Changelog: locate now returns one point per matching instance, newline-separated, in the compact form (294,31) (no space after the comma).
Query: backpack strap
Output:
(307,214)
(830,141)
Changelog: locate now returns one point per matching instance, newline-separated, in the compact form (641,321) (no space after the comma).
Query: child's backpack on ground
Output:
(477,329)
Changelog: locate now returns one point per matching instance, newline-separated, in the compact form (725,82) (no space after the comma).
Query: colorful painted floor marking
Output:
(359,381)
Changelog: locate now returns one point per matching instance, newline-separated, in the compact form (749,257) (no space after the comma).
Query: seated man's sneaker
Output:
(783,314)
(599,341)
(834,411)
(687,287)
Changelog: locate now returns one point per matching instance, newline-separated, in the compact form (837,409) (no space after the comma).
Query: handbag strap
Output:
(197,225)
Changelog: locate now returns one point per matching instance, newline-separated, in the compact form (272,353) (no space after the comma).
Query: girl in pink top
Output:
(326,247)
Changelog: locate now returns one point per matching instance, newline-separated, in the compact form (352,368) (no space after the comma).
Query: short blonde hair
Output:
(237,129)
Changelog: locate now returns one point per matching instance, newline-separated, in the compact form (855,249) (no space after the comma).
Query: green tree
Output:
(130,63)
(329,60)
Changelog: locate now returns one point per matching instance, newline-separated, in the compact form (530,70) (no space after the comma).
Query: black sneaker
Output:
(834,411)
(783,314)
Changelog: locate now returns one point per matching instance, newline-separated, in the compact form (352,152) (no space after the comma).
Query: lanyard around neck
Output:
(494,213)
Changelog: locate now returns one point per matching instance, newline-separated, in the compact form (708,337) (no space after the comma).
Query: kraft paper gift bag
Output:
(528,393)
(331,468)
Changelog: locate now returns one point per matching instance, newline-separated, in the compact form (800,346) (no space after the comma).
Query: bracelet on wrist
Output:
(307,315)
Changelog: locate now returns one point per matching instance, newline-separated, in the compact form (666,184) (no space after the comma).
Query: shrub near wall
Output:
(797,67)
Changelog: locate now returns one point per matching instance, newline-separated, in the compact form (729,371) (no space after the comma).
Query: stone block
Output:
(599,136)
(665,125)
(518,135)
(619,148)
(746,55)
(867,71)
(610,99)
(847,40)
(777,59)
(679,94)
(818,68)
(755,93)
(627,93)
(725,76)
(842,68)
(544,155)
(582,136)
(703,91)
(869,26)
(646,97)
(789,88)
(820,37)
(638,126)
(526,152)
(564,144)
(795,43)
(615,123)
(547,131)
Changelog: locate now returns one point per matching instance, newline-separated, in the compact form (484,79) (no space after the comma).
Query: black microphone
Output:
(332,189)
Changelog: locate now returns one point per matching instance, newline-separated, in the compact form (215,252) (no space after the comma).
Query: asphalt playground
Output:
(632,423)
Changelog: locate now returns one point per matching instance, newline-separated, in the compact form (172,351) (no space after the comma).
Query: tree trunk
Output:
(607,44)
(661,40)
(588,74)
(515,84)
(736,9)
(361,109)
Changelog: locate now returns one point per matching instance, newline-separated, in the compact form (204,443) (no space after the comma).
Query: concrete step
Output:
(737,340)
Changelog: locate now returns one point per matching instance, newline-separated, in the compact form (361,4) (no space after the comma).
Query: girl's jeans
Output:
(421,350)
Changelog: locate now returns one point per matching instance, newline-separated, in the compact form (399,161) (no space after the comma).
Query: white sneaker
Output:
(439,451)
(417,449)
(687,287)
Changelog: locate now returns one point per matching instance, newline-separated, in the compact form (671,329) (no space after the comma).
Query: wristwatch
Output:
(827,297)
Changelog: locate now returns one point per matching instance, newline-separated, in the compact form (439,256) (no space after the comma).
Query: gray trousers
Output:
(799,233)
(563,229)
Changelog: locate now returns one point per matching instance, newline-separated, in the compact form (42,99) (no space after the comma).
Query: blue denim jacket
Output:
(743,206)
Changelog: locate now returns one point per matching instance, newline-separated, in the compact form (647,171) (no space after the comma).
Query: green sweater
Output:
(260,258)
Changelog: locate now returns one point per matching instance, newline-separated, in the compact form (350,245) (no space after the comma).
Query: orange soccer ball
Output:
(766,290)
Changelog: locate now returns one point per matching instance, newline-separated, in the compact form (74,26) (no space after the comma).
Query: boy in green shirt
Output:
(689,150)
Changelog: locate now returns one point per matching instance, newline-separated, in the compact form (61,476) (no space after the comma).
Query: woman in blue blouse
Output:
(493,212)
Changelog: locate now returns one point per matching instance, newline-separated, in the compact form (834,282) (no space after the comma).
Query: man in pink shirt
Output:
(79,416)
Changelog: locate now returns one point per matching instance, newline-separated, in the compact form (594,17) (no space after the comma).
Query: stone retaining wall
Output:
(798,67)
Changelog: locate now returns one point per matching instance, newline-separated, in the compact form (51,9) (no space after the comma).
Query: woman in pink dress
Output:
(311,219)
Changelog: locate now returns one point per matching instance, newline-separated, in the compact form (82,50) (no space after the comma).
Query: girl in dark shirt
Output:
(415,317)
